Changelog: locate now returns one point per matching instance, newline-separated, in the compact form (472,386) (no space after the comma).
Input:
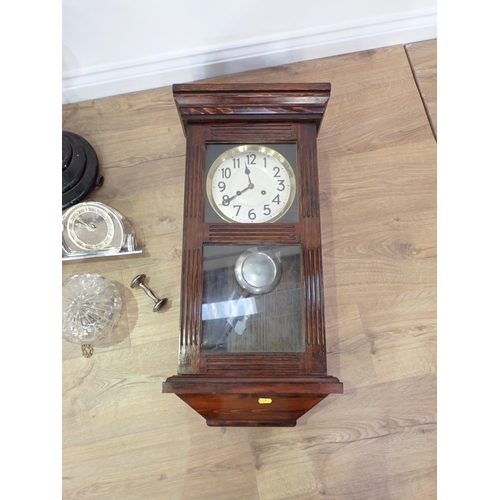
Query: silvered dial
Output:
(91,227)
(251,184)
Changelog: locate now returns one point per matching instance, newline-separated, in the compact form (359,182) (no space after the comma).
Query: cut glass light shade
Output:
(91,307)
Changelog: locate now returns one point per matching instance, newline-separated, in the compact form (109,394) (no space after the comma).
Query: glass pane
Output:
(227,173)
(252,299)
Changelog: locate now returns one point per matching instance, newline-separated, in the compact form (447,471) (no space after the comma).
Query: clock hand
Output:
(90,227)
(250,186)
(247,171)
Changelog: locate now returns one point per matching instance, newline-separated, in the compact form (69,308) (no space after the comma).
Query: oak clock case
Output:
(252,336)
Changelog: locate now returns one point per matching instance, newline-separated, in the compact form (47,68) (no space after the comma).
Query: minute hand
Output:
(240,192)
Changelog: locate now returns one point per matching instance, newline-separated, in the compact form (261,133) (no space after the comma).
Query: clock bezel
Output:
(235,151)
(110,243)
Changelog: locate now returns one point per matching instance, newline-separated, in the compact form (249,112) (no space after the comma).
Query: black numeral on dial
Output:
(251,159)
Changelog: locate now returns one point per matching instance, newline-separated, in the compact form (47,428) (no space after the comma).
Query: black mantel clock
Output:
(252,333)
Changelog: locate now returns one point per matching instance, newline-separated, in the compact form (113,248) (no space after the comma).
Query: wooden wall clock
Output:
(252,334)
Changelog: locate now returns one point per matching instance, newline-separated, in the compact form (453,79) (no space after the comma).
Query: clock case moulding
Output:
(252,388)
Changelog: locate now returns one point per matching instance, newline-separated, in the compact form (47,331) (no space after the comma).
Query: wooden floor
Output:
(123,439)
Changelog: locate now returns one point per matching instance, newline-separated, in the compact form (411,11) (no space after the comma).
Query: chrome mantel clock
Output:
(252,334)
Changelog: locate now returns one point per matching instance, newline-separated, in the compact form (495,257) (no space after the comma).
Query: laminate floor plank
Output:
(423,60)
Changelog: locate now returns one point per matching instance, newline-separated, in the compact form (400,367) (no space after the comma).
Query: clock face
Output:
(251,184)
(92,226)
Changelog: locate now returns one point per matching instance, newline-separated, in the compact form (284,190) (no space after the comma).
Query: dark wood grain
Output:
(238,401)
(211,103)
(206,384)
(268,234)
(254,363)
(194,181)
(282,113)
(295,88)
(260,132)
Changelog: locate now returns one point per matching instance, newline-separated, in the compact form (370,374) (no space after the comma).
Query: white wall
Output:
(116,46)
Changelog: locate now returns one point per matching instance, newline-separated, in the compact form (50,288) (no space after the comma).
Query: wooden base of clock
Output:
(252,402)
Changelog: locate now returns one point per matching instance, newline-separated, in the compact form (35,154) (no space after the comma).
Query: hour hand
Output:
(247,172)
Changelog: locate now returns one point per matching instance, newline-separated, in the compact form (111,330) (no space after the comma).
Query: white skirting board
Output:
(212,61)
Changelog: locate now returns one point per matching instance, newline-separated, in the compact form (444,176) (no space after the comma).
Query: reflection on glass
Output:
(252,299)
